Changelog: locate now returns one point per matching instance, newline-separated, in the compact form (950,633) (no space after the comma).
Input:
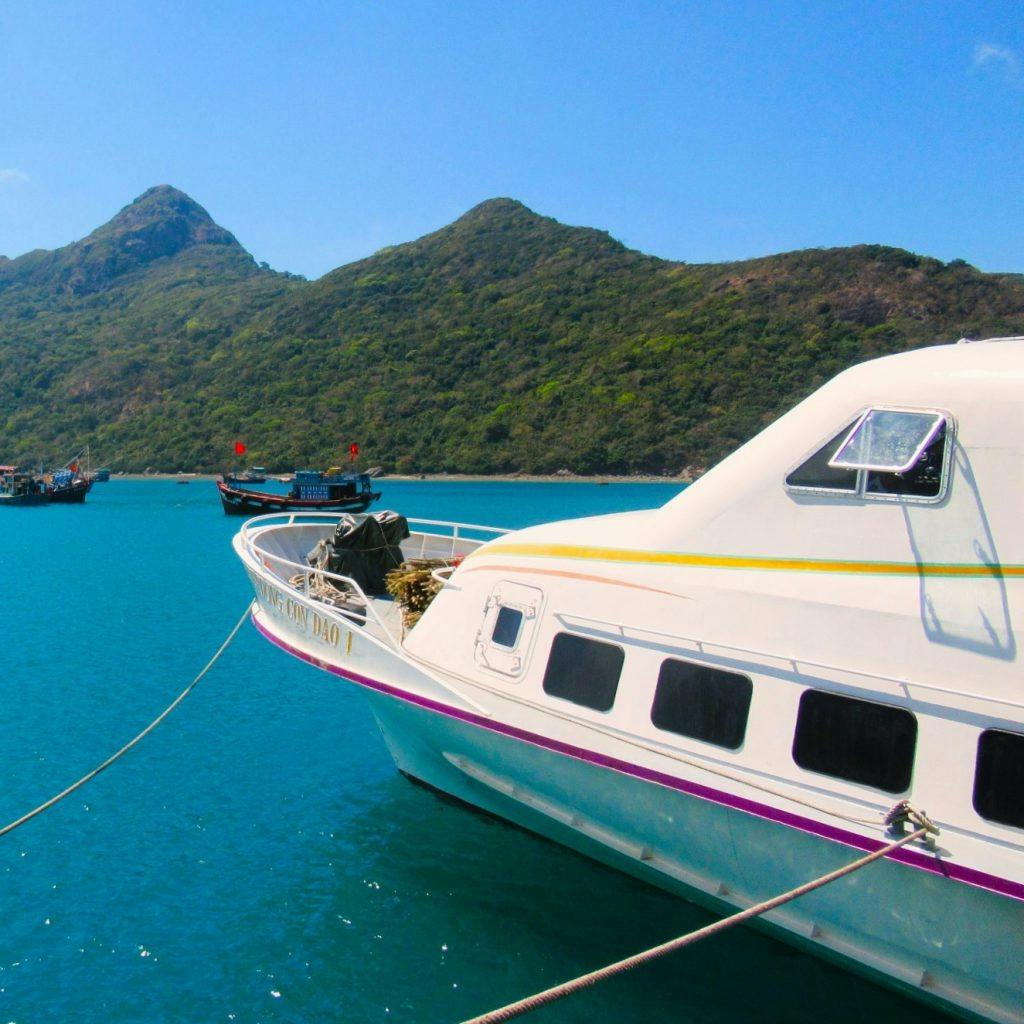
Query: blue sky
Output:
(320,132)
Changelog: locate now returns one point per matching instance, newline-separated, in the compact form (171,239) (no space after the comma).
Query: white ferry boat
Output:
(726,695)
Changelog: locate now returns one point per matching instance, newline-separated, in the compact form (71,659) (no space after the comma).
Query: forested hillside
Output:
(504,341)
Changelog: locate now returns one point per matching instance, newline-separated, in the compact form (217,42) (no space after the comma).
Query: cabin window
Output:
(856,740)
(887,440)
(503,641)
(999,777)
(883,454)
(703,703)
(816,473)
(507,625)
(922,480)
(584,671)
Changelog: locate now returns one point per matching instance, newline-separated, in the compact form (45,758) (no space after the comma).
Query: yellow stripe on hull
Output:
(698,561)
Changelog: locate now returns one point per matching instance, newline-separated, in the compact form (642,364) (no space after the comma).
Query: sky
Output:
(320,132)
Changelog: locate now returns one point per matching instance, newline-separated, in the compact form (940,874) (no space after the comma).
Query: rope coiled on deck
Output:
(89,776)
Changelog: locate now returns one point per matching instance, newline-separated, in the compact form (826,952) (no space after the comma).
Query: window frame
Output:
(860,492)
(569,700)
(734,677)
(516,609)
(509,664)
(978,767)
(938,422)
(813,691)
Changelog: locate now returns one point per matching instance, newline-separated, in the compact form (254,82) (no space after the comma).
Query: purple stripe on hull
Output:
(912,858)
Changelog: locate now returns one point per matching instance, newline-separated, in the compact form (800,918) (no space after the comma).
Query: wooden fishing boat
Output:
(312,491)
(67,487)
(20,488)
(71,483)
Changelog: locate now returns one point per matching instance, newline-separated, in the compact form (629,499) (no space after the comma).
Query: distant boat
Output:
(101,476)
(252,475)
(67,486)
(20,488)
(312,491)
(70,484)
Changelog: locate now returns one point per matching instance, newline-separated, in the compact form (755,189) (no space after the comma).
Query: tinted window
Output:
(888,440)
(704,703)
(584,671)
(816,472)
(506,627)
(999,777)
(856,740)
(922,480)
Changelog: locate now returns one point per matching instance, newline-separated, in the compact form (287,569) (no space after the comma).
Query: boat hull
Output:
(21,500)
(238,501)
(932,938)
(956,946)
(74,494)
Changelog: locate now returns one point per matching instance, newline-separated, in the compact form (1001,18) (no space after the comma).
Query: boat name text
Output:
(310,622)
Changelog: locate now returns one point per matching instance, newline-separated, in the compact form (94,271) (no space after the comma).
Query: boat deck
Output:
(281,543)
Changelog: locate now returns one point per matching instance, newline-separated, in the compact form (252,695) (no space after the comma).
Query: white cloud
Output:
(12,176)
(1001,58)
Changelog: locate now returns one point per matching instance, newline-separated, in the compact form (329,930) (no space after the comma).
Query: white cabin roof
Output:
(735,507)
(824,571)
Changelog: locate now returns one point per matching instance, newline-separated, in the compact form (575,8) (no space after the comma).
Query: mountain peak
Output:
(500,206)
(509,236)
(164,192)
(162,222)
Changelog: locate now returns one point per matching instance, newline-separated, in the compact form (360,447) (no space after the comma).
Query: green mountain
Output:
(161,223)
(504,341)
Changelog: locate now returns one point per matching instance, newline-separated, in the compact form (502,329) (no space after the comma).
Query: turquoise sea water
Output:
(258,858)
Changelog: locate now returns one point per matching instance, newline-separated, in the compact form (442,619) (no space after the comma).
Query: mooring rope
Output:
(133,742)
(902,812)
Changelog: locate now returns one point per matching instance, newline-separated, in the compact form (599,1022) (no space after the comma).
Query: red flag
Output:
(239,448)
(353,449)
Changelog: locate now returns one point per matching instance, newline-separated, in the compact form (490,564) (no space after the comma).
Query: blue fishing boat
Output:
(67,486)
(311,491)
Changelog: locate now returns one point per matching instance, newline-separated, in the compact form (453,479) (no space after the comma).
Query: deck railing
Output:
(455,537)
